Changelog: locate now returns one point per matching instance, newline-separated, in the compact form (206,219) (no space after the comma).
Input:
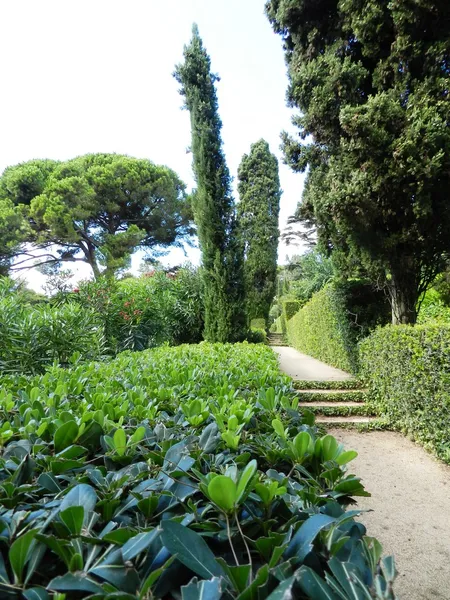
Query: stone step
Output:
(335,384)
(331,395)
(346,422)
(337,409)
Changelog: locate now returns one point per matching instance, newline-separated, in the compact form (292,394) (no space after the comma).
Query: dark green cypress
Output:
(213,203)
(258,210)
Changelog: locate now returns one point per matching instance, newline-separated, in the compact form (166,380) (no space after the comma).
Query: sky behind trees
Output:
(96,76)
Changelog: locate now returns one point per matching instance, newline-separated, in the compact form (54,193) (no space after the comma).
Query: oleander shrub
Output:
(185,472)
(408,373)
(32,338)
(322,329)
(144,312)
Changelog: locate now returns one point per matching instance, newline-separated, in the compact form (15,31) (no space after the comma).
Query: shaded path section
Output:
(302,366)
(411,509)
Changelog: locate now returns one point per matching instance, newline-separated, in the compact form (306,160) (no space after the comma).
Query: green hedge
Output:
(290,308)
(408,373)
(322,329)
(278,325)
(258,323)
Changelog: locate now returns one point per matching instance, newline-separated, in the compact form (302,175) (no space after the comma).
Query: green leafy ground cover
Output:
(184,472)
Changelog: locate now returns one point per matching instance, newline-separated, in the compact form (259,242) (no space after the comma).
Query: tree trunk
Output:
(89,252)
(404,294)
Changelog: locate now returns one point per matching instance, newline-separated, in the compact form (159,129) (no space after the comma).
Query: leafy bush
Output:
(182,472)
(322,329)
(308,274)
(258,324)
(33,337)
(290,307)
(433,308)
(407,370)
(277,326)
(145,312)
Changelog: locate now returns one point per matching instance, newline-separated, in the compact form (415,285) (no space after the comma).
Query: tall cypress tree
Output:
(258,210)
(213,204)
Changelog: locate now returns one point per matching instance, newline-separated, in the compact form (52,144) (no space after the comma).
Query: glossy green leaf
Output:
(245,479)
(138,543)
(202,590)
(75,582)
(81,495)
(190,549)
(65,435)
(223,492)
(73,518)
(314,586)
(302,542)
(120,441)
(346,457)
(19,553)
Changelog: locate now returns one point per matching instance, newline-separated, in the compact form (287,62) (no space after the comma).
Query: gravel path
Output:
(304,367)
(411,509)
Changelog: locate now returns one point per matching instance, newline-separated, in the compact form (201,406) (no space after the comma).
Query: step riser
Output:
(350,396)
(339,411)
(346,384)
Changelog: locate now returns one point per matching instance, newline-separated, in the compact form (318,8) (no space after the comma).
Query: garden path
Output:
(409,510)
(302,366)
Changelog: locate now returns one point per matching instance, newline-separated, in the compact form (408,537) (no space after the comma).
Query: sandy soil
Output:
(410,506)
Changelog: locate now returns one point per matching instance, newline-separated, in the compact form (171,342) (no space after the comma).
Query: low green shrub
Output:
(184,472)
(408,375)
(322,329)
(33,337)
(257,336)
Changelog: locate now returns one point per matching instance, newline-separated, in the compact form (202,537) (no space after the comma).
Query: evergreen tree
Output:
(370,78)
(97,209)
(213,204)
(258,210)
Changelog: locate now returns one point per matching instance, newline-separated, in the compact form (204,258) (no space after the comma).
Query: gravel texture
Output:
(410,509)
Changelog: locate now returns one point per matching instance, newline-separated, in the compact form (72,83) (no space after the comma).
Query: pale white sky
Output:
(96,76)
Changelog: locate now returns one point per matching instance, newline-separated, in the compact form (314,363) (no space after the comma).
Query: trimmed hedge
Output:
(290,308)
(408,373)
(258,323)
(322,329)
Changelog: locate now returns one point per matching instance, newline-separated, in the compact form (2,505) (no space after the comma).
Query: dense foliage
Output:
(370,78)
(96,208)
(213,204)
(322,329)
(258,210)
(407,371)
(307,274)
(187,468)
(35,335)
(140,313)
(433,308)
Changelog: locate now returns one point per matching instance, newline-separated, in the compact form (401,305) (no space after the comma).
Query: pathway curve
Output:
(410,502)
(302,366)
